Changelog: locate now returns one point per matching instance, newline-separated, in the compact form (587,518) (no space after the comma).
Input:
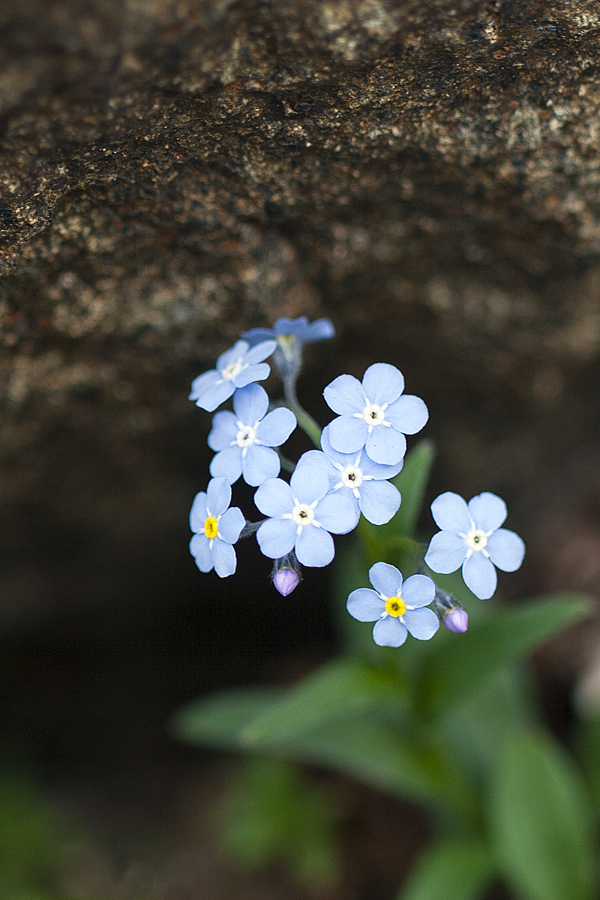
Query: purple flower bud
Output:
(286,581)
(456,620)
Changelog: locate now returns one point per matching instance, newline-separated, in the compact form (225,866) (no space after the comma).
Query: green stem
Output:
(305,420)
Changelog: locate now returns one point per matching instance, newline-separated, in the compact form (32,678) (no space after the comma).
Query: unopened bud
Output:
(456,620)
(286,580)
(450,611)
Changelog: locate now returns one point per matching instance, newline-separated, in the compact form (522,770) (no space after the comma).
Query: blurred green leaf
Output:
(587,744)
(459,668)
(340,688)
(451,870)
(220,720)
(541,822)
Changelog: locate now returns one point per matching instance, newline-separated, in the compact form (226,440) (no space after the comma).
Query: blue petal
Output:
(259,463)
(274,498)
(389,632)
(479,576)
(506,549)
(376,470)
(488,511)
(224,558)
(379,501)
(451,512)
(276,427)
(223,432)
(446,552)
(285,326)
(314,547)
(421,623)
(344,459)
(217,394)
(345,395)
(319,330)
(276,537)
(338,513)
(250,374)
(417,591)
(203,383)
(408,414)
(347,434)
(258,335)
(227,464)
(200,550)
(233,355)
(198,513)
(309,482)
(218,496)
(230,525)
(383,383)
(385,445)
(250,404)
(365,605)
(259,352)
(386,579)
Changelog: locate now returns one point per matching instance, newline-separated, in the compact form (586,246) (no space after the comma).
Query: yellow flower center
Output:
(211,528)
(395,606)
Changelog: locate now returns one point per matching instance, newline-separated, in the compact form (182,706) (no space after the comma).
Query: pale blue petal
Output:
(274,498)
(347,434)
(224,558)
(386,579)
(421,623)
(479,576)
(276,427)
(451,512)
(379,501)
(250,374)
(258,335)
(376,470)
(365,605)
(319,330)
(287,326)
(233,355)
(488,511)
(389,632)
(214,396)
(200,550)
(198,513)
(276,537)
(259,352)
(319,459)
(345,395)
(309,482)
(337,512)
(227,464)
(383,383)
(314,547)
(385,445)
(223,432)
(417,591)
(204,383)
(259,463)
(344,459)
(446,552)
(250,404)
(218,496)
(408,414)
(506,549)
(231,524)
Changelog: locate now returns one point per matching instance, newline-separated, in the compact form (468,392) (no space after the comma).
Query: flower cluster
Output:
(349,475)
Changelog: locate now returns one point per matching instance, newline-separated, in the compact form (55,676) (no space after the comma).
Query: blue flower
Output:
(356,476)
(303,513)
(291,335)
(471,537)
(216,527)
(245,438)
(397,608)
(373,414)
(236,368)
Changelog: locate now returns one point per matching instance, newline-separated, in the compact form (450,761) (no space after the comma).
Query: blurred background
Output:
(172,173)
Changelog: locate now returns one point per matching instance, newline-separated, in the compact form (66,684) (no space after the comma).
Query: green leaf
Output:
(221,719)
(462,666)
(541,822)
(451,870)
(587,740)
(340,688)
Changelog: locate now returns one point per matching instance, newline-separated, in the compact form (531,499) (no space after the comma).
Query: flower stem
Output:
(305,420)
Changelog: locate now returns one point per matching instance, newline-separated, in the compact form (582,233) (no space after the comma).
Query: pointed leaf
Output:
(452,870)
(221,719)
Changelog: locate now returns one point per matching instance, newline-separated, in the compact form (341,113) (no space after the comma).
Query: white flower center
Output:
(352,477)
(374,414)
(303,514)
(246,435)
(233,369)
(476,540)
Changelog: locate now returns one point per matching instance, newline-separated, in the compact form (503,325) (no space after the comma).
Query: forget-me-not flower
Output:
(244,438)
(397,607)
(237,367)
(375,414)
(217,528)
(471,537)
(291,335)
(303,513)
(356,476)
